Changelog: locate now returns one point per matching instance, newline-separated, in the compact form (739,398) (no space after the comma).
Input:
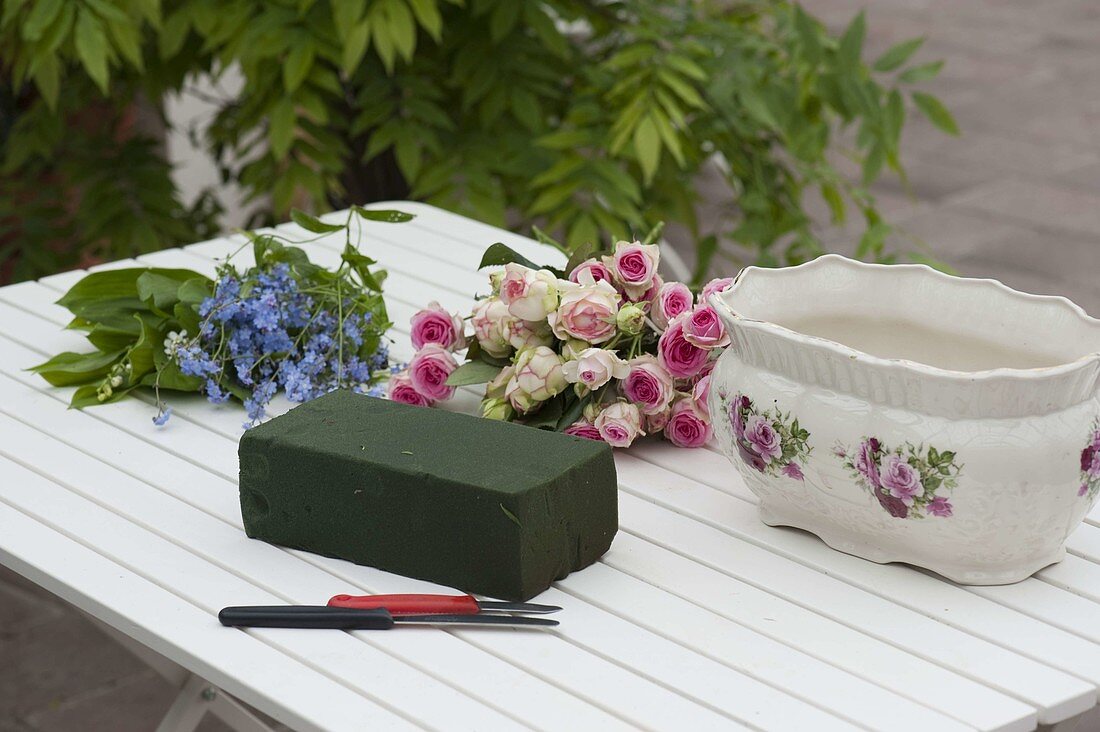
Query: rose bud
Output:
(648,384)
(654,423)
(496,387)
(597,269)
(498,409)
(538,376)
(701,394)
(529,334)
(435,325)
(714,286)
(705,329)
(585,429)
(672,299)
(594,367)
(619,424)
(529,294)
(680,358)
(491,323)
(631,319)
(402,390)
(687,426)
(429,369)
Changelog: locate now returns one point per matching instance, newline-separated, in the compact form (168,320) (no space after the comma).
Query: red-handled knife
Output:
(437,604)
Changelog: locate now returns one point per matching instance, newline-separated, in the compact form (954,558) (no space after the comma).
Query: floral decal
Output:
(908,481)
(767,440)
(1090,464)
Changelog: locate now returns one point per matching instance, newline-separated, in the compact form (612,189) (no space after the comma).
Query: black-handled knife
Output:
(323,616)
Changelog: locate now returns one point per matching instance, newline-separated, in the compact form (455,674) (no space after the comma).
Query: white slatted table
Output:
(700,617)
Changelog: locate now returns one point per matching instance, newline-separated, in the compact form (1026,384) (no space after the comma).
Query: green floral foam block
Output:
(487,507)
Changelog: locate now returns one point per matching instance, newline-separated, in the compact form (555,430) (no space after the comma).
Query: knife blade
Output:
(323,616)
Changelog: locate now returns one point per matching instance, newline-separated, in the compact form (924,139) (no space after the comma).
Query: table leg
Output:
(196,697)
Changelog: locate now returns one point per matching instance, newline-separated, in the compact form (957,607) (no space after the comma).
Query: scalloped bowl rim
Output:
(718,302)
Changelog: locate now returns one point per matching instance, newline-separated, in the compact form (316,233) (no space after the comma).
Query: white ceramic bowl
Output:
(905,415)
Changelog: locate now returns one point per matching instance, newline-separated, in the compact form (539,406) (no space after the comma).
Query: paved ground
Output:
(1017,198)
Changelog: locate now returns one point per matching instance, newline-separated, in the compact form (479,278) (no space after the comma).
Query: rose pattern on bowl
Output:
(769,441)
(1090,464)
(908,481)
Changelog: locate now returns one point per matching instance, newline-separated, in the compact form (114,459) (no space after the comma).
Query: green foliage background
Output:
(589,118)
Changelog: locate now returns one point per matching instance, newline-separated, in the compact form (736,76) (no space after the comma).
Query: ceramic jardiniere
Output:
(902,414)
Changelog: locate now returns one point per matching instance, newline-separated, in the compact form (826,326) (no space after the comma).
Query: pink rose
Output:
(687,426)
(491,327)
(634,265)
(619,424)
(673,298)
(402,390)
(940,506)
(680,358)
(654,423)
(705,329)
(762,438)
(584,429)
(594,367)
(529,294)
(648,384)
(429,369)
(901,480)
(586,312)
(701,394)
(433,324)
(597,269)
(716,285)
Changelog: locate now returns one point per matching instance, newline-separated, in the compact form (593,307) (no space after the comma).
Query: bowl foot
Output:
(850,543)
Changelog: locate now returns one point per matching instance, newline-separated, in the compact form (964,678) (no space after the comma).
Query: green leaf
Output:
(851,43)
(937,114)
(298,62)
(42,15)
(647,147)
(897,55)
(70,369)
(91,47)
(924,72)
(160,291)
(549,414)
(807,31)
(47,77)
(388,216)
(312,223)
(282,126)
(500,254)
(473,372)
(427,14)
(355,46)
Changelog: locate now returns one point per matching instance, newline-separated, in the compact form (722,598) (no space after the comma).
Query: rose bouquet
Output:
(604,349)
(283,324)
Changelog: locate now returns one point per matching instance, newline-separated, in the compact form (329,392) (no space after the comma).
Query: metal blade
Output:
(501,620)
(517,607)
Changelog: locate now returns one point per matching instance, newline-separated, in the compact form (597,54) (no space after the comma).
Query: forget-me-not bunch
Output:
(266,331)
